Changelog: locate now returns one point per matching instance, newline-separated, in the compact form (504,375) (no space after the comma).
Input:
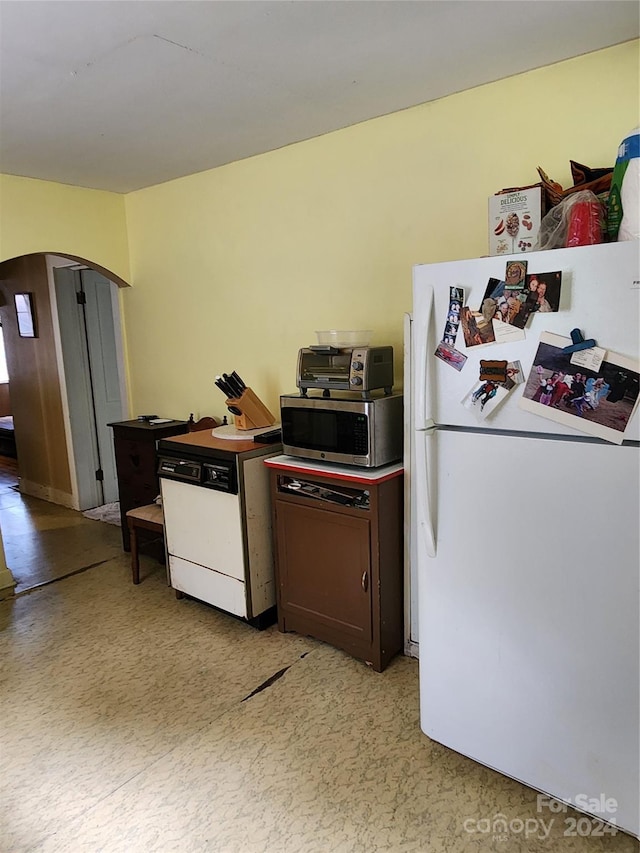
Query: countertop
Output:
(206,440)
(169,423)
(364,476)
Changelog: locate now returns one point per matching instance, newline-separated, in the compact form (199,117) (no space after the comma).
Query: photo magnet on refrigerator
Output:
(456,298)
(494,371)
(598,402)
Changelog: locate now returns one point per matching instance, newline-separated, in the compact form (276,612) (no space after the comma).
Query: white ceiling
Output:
(120,95)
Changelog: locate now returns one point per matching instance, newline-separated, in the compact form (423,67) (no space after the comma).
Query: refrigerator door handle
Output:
(424,516)
(421,337)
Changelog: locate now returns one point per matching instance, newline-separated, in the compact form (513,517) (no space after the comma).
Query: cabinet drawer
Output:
(134,456)
(207,585)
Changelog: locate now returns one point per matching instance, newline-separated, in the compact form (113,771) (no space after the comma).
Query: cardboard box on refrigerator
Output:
(514,220)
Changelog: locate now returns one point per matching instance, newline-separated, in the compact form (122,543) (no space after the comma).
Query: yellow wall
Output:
(236,267)
(41,216)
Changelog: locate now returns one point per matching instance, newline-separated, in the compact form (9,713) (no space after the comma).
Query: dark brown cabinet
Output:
(136,463)
(339,565)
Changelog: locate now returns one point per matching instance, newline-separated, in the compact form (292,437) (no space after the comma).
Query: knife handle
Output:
(236,388)
(238,380)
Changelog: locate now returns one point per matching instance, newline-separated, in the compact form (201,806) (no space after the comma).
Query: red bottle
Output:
(586,219)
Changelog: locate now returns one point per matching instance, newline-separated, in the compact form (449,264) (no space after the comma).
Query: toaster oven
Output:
(361,369)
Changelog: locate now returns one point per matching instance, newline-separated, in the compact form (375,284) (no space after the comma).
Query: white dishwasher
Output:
(217,520)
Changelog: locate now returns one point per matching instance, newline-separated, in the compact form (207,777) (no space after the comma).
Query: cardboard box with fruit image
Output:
(514,220)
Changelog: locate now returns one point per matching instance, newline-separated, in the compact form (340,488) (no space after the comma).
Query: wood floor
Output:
(8,471)
(44,542)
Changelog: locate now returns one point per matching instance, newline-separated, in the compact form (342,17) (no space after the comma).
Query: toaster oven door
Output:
(323,370)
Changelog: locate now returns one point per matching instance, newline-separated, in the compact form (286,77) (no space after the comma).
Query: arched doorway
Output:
(61,435)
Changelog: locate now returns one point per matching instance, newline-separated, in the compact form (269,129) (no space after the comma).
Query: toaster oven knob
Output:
(356,380)
(357,365)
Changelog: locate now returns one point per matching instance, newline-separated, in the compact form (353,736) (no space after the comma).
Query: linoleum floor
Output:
(131,722)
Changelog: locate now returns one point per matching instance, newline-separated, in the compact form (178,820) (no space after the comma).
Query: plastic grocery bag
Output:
(578,220)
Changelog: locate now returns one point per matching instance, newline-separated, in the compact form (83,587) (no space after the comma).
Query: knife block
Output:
(254,414)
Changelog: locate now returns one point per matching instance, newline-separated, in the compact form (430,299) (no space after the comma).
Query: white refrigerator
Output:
(525,544)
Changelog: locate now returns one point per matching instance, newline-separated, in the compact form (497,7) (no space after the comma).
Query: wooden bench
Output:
(148,517)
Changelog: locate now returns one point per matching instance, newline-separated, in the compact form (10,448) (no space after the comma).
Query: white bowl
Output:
(345,338)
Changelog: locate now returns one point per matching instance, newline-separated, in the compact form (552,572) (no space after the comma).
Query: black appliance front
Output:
(207,472)
(332,431)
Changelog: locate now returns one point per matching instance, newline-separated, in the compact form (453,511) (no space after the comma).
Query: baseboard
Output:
(7,584)
(46,493)
(411,649)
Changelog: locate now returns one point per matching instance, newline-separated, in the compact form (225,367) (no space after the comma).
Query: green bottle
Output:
(624,187)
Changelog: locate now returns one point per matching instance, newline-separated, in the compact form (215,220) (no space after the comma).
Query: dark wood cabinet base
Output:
(339,569)
(134,444)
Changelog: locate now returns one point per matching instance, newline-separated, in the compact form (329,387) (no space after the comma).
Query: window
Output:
(25,315)
(4,374)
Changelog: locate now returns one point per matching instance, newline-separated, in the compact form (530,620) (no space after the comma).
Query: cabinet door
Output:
(324,569)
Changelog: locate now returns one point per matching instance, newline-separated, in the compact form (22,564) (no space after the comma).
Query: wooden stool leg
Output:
(135,562)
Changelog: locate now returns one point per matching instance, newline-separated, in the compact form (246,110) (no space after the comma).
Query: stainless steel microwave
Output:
(367,433)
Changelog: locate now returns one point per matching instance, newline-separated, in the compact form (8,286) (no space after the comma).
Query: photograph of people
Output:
(596,389)
(543,303)
(484,398)
(604,398)
(476,328)
(562,387)
(576,396)
(513,308)
(547,386)
(543,291)
(485,393)
(502,309)
(514,375)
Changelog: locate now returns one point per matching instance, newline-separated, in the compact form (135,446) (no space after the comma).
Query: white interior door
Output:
(92,376)
(103,369)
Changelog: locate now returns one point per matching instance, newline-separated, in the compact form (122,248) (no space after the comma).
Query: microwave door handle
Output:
(424,512)
(422,346)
